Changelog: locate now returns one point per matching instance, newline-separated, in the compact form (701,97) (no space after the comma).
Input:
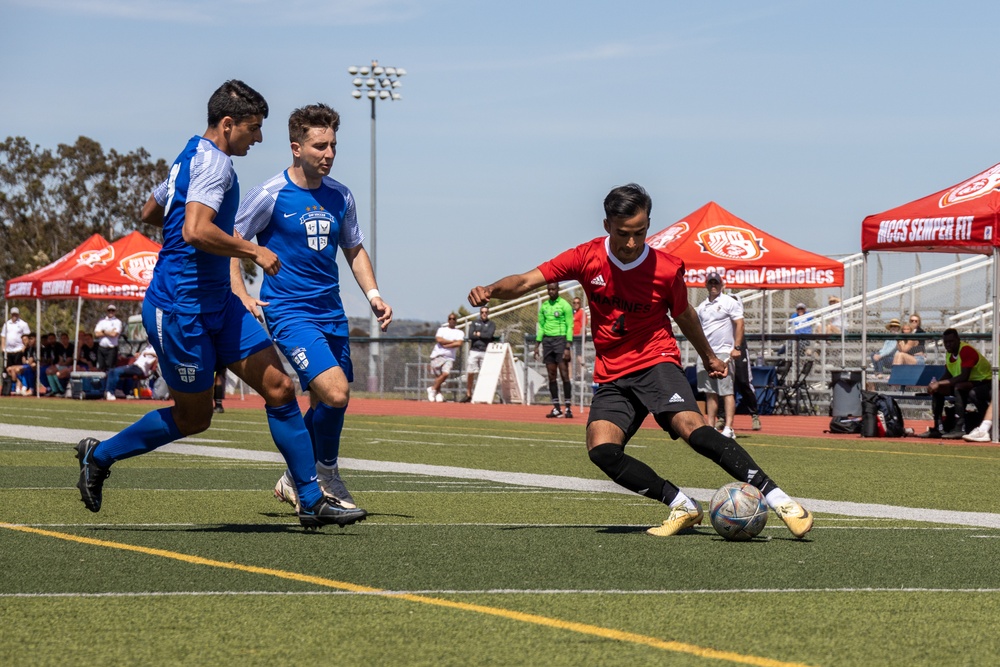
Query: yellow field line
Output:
(535,619)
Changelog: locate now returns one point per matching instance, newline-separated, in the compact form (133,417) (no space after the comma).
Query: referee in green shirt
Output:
(554,337)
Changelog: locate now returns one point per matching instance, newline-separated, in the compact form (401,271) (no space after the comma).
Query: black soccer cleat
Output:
(569,413)
(329,510)
(555,414)
(92,476)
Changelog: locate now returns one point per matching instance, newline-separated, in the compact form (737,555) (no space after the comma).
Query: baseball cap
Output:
(800,305)
(112,306)
(15,311)
(713,277)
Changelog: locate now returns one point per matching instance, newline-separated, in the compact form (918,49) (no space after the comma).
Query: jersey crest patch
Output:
(317,225)
(299,358)
(186,372)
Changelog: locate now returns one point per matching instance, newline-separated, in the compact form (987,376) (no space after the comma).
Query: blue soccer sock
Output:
(154,430)
(292,439)
(308,419)
(328,422)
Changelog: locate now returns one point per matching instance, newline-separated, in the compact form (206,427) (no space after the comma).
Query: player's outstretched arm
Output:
(510,287)
(361,266)
(691,328)
(201,232)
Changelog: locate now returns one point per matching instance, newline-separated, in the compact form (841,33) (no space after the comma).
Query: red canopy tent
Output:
(83,257)
(94,270)
(962,218)
(713,239)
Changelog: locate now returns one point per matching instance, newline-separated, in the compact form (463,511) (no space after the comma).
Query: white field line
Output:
(506,591)
(51,434)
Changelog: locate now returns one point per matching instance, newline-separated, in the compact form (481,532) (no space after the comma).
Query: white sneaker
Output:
(109,396)
(284,491)
(430,394)
(978,434)
(333,486)
(439,398)
(729,433)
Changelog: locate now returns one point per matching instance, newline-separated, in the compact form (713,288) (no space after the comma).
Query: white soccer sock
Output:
(682,499)
(776,497)
(986,425)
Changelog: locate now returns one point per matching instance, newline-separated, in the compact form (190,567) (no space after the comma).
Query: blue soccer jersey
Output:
(303,228)
(186,278)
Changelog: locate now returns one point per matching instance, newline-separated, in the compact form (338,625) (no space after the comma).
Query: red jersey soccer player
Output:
(631,289)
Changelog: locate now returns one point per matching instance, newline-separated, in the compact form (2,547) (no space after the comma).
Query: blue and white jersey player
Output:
(303,216)
(196,324)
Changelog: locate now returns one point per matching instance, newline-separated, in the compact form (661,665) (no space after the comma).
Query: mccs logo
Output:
(977,186)
(669,235)
(728,242)
(92,258)
(138,267)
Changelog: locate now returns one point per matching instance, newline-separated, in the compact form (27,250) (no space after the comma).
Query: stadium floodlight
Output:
(381,85)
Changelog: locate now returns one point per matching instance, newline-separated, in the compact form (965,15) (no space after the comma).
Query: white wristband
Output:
(371,294)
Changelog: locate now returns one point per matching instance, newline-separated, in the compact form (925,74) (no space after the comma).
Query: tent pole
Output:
(864,318)
(76,343)
(996,381)
(843,331)
(38,348)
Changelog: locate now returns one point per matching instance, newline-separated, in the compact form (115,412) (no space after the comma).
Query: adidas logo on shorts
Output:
(676,398)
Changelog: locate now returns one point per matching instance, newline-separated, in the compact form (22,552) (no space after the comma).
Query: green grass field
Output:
(192,561)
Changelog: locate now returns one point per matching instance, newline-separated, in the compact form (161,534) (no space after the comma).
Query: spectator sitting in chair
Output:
(909,352)
(967,377)
(141,367)
(22,374)
(882,360)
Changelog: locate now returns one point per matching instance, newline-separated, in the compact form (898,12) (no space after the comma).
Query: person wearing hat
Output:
(834,324)
(107,332)
(882,360)
(721,318)
(13,345)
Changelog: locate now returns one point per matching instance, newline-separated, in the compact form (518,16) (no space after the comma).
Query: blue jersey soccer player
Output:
(303,215)
(197,325)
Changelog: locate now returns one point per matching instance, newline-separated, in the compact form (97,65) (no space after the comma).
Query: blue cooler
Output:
(87,384)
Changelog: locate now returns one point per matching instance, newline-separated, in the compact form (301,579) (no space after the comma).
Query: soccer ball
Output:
(738,511)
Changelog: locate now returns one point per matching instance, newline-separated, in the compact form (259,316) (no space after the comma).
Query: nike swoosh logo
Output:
(288,215)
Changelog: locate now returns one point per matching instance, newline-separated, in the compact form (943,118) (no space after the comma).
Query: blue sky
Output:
(518,117)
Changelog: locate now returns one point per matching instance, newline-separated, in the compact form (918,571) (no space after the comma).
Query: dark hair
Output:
(305,118)
(950,332)
(236,100)
(626,201)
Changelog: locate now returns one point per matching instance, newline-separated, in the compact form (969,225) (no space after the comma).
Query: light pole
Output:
(382,83)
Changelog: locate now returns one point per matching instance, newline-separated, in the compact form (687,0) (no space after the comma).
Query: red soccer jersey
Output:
(629,304)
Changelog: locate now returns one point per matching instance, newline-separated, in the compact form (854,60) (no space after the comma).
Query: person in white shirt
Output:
(13,331)
(721,318)
(449,339)
(107,333)
(140,368)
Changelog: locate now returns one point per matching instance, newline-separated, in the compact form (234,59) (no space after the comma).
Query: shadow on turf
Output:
(627,530)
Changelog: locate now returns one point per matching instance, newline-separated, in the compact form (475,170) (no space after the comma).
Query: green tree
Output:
(51,201)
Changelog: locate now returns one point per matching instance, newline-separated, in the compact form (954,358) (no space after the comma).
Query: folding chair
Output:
(794,396)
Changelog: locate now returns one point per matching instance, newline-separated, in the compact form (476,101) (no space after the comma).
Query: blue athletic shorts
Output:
(191,347)
(311,348)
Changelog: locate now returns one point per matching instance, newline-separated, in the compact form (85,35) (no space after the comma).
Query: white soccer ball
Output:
(738,511)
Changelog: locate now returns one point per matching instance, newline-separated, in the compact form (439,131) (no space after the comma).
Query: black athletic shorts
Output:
(662,389)
(553,348)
